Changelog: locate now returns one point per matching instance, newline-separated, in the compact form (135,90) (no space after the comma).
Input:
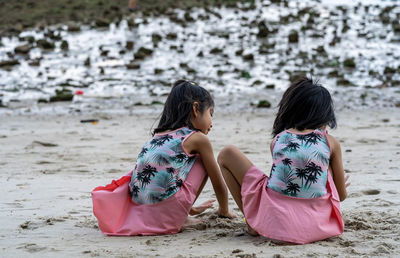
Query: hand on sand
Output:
(202,207)
(227,214)
(346,179)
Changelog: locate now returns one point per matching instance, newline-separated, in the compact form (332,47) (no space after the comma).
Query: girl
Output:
(299,201)
(171,171)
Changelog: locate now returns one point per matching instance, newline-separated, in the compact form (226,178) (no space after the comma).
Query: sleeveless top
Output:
(161,167)
(300,164)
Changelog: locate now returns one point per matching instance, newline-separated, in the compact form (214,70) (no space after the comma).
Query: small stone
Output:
(293,36)
(129,45)
(248,57)
(215,51)
(74,28)
(87,61)
(237,251)
(142,53)
(23,49)
(102,22)
(42,43)
(349,63)
(8,63)
(264,104)
(133,66)
(64,45)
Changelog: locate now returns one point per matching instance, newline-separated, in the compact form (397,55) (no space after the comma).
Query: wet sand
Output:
(49,164)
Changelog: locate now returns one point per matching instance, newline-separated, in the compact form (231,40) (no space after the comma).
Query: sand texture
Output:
(49,165)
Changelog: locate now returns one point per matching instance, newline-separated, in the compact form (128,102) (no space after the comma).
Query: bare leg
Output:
(201,187)
(190,221)
(234,165)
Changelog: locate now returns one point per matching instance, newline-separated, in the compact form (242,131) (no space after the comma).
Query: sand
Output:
(50,163)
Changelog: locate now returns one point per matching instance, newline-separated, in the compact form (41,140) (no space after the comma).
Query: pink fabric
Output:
(117,214)
(290,219)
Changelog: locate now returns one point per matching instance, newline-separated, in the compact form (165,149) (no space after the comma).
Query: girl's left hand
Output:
(202,207)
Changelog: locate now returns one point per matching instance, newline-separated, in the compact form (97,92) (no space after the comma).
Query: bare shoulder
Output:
(197,142)
(333,142)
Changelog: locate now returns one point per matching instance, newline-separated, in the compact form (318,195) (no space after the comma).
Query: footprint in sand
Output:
(371,192)
(32,248)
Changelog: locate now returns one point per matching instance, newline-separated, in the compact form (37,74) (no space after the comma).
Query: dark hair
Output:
(304,105)
(178,106)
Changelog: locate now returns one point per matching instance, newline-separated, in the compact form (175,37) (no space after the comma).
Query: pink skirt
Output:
(118,215)
(286,218)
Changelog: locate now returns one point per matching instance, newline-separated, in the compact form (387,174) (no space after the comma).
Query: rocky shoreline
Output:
(132,61)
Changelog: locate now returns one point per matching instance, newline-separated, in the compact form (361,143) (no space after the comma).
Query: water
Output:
(234,81)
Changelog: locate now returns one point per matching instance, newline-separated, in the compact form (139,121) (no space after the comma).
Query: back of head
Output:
(304,105)
(178,106)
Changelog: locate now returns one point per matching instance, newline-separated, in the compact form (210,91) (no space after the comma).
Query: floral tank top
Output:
(300,164)
(161,167)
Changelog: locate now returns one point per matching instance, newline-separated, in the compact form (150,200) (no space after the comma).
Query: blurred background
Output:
(73,56)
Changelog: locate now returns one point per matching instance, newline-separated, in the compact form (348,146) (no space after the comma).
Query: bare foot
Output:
(251,231)
(202,207)
(193,223)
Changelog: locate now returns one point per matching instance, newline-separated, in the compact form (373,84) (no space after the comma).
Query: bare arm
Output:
(336,165)
(199,143)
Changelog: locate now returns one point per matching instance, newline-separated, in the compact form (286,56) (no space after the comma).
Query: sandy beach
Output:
(50,164)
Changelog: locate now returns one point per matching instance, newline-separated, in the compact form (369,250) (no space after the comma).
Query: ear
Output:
(195,109)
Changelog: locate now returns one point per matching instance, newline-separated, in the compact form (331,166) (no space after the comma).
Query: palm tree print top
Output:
(300,164)
(161,167)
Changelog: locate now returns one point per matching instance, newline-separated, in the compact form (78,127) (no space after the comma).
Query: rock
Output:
(30,39)
(129,45)
(156,38)
(396,26)
(293,36)
(102,22)
(248,57)
(42,43)
(245,74)
(104,52)
(8,63)
(263,30)
(256,83)
(74,28)
(237,251)
(35,62)
(87,62)
(389,70)
(172,36)
(215,51)
(158,71)
(188,17)
(270,86)
(53,35)
(133,66)
(23,49)
(156,102)
(349,63)
(333,74)
(239,52)
(334,41)
(344,82)
(142,53)
(321,50)
(62,95)
(264,104)
(64,45)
